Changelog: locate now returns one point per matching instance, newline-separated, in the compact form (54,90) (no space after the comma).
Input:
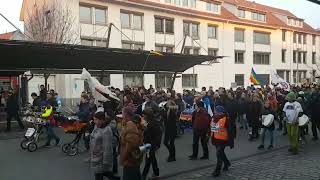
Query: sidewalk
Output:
(273,165)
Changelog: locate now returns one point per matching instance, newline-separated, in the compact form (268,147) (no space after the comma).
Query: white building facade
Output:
(248,34)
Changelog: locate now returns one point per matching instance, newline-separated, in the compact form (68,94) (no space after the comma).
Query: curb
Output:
(213,164)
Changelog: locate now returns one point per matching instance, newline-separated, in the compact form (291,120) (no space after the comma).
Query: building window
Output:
(283,35)
(186,29)
(125,20)
(85,15)
(283,56)
(313,57)
(86,42)
(281,73)
(261,58)
(196,51)
(239,79)
(189,80)
(163,25)
(212,52)
(193,3)
(299,38)
(169,26)
(314,75)
(294,37)
(212,32)
(185,3)
(295,76)
(168,1)
(137,22)
(304,57)
(288,76)
(135,46)
(133,80)
(239,57)
(158,22)
(131,21)
(100,43)
(163,80)
(191,27)
(258,16)
(100,16)
(162,48)
(186,50)
(313,40)
(304,39)
(212,7)
(261,38)
(294,57)
(299,57)
(239,35)
(241,13)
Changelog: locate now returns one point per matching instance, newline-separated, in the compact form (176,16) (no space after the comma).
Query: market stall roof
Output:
(25,56)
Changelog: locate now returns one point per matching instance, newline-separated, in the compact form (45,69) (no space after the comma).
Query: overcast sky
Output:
(301,8)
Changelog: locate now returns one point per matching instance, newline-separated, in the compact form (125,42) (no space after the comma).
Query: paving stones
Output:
(275,165)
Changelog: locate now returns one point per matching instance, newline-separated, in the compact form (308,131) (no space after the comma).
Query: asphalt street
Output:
(52,164)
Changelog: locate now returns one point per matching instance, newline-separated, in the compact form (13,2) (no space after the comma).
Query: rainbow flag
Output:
(254,78)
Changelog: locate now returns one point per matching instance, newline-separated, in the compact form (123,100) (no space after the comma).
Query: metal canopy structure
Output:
(21,56)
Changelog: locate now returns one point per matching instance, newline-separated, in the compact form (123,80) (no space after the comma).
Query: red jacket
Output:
(201,120)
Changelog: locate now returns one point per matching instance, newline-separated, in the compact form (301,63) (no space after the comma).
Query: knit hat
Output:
(291,96)
(220,109)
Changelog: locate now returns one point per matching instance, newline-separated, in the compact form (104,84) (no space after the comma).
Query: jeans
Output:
(109,175)
(315,126)
(221,157)
(204,142)
(169,143)
(255,130)
(131,173)
(16,117)
(243,121)
(51,135)
(293,136)
(151,159)
(263,132)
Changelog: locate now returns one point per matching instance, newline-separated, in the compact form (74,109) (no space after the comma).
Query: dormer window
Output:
(183,3)
(212,7)
(258,16)
(241,13)
(295,22)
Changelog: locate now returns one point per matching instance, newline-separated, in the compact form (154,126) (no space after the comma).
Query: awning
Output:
(25,56)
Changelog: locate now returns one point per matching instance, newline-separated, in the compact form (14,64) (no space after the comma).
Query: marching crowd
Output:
(147,120)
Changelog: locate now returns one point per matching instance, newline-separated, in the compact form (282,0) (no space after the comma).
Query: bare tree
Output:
(51,23)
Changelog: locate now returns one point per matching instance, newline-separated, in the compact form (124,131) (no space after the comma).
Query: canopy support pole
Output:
(175,73)
(46,76)
(109,34)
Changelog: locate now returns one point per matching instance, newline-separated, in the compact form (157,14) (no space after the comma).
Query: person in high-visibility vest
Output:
(221,137)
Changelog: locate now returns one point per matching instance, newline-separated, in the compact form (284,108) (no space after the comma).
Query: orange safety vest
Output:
(219,130)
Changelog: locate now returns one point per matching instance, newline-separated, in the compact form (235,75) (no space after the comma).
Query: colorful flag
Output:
(254,78)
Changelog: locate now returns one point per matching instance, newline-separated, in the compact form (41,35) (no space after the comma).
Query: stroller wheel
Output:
(24,144)
(32,147)
(73,150)
(66,148)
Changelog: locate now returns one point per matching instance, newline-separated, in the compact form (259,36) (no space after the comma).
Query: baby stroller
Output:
(32,135)
(74,126)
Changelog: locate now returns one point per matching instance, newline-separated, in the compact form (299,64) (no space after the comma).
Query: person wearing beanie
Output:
(293,111)
(130,156)
(221,137)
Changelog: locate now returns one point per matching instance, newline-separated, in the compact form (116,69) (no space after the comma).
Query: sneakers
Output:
(270,147)
(261,147)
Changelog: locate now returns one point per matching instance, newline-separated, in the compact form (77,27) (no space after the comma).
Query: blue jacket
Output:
(84,112)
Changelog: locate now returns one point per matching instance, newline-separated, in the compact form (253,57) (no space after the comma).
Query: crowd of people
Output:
(147,120)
